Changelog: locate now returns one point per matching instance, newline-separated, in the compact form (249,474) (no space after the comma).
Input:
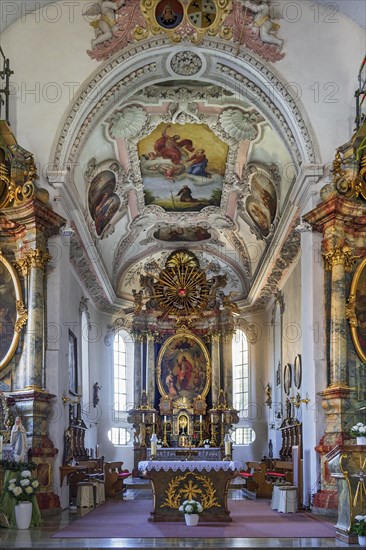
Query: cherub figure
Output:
(263,21)
(106,22)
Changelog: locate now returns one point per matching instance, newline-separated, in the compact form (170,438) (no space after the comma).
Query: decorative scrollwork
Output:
(190,486)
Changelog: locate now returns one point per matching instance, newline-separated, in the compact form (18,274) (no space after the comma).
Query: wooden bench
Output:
(114,478)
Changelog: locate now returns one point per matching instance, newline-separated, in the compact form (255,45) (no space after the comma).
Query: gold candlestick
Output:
(200,443)
(213,437)
(165,442)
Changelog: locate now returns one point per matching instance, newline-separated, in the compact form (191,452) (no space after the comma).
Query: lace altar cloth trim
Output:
(184,465)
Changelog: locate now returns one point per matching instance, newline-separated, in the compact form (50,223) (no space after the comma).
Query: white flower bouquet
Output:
(191,507)
(359,525)
(24,487)
(358,430)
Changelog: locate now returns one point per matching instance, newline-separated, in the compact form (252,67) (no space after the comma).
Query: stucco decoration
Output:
(114,26)
(253,27)
(186,63)
(127,123)
(247,22)
(239,124)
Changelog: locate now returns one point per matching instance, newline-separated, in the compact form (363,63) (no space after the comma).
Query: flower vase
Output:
(191,519)
(23,514)
(362,540)
(361,440)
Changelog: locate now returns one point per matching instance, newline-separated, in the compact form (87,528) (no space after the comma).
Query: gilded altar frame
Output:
(183,369)
(13,313)
(356,310)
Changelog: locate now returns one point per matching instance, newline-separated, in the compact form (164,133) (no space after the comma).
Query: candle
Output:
(227,446)
(153,418)
(222,417)
(153,441)
(211,418)
(165,419)
(96,451)
(143,417)
(200,418)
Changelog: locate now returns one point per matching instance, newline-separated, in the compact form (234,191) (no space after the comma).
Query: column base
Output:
(326,503)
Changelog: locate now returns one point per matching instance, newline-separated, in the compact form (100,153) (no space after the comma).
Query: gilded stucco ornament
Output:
(340,255)
(18,171)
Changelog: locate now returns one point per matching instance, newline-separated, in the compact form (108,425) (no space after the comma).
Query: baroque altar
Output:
(184,327)
(175,481)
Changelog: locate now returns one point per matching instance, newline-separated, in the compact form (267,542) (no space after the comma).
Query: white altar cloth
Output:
(191,465)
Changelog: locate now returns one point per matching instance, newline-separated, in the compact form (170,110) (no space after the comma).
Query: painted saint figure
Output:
(18,441)
(184,373)
(185,194)
(199,164)
(170,148)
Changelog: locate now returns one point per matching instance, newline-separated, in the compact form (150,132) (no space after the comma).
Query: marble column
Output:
(338,261)
(150,367)
(215,366)
(227,367)
(33,373)
(138,372)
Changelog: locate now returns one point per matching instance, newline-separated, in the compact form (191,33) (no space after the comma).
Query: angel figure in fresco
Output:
(106,22)
(263,21)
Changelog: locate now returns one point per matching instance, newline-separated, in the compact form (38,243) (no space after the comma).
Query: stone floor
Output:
(40,537)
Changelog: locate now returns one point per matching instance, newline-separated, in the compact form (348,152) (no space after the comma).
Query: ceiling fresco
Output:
(182,172)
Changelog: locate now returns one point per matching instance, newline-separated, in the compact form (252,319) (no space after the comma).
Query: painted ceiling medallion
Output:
(182,20)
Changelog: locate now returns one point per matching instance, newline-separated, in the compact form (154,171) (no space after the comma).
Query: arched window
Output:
(119,377)
(240,372)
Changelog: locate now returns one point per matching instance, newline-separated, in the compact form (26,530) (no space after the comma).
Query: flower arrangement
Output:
(191,507)
(24,487)
(359,525)
(359,430)
(206,442)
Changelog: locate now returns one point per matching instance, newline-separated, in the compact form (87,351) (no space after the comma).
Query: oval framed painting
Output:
(297,371)
(356,310)
(13,314)
(287,378)
(183,371)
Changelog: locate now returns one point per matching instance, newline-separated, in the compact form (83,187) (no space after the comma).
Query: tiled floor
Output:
(40,537)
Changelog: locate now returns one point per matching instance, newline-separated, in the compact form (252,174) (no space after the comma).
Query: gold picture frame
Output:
(13,313)
(183,370)
(356,310)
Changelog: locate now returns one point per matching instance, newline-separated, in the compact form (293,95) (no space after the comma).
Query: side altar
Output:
(175,481)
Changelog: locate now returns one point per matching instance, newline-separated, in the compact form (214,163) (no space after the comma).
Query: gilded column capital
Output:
(22,266)
(340,255)
(38,258)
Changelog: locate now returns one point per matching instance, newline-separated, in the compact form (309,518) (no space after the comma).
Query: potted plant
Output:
(206,443)
(191,510)
(359,527)
(23,488)
(359,432)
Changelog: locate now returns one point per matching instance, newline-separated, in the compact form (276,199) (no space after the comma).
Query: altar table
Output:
(206,481)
